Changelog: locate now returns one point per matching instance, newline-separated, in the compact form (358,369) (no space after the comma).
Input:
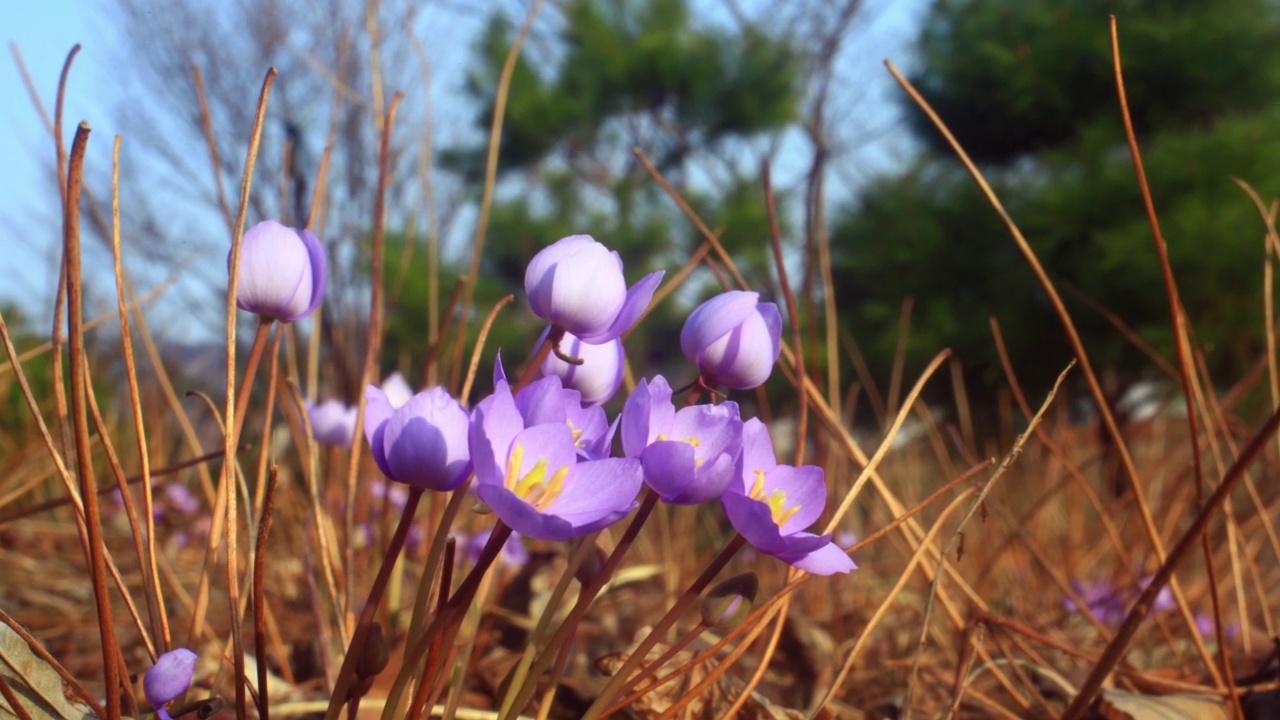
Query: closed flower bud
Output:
(421,443)
(282,272)
(734,339)
(597,378)
(577,285)
(169,678)
(727,604)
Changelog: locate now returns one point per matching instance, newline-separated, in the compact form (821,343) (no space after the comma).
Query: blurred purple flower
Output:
(397,389)
(577,285)
(332,422)
(168,678)
(600,374)
(772,504)
(734,339)
(690,456)
(514,554)
(422,443)
(180,497)
(282,272)
(528,469)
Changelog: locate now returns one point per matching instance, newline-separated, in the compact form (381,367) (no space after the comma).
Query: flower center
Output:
(535,487)
(777,501)
(692,440)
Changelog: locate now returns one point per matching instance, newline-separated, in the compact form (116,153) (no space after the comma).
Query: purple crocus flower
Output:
(548,401)
(690,456)
(333,422)
(577,285)
(421,443)
(168,678)
(734,339)
(600,374)
(772,504)
(532,476)
(282,272)
(180,497)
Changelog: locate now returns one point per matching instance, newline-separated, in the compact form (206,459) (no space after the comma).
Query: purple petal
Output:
(757,451)
(495,422)
(638,297)
(668,468)
(805,487)
(275,278)
(754,521)
(744,358)
(717,428)
(426,441)
(600,374)
(551,442)
(546,401)
(577,284)
(714,319)
(169,677)
(647,413)
(826,560)
(377,411)
(319,270)
(521,516)
(598,490)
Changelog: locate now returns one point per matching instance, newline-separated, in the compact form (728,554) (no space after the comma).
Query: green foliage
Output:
(1029,90)
(622,74)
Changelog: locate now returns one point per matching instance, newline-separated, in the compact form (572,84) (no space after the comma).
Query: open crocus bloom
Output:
(577,285)
(690,456)
(734,339)
(772,504)
(421,443)
(548,401)
(534,478)
(282,272)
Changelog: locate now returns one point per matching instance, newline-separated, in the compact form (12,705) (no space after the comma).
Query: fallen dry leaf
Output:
(1121,705)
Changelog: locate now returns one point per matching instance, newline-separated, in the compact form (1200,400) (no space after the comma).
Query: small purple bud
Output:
(169,678)
(282,272)
(597,378)
(577,284)
(422,443)
(734,339)
(728,603)
(332,422)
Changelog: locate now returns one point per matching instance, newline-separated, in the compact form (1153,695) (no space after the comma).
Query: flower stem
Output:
(622,678)
(342,685)
(565,632)
(445,624)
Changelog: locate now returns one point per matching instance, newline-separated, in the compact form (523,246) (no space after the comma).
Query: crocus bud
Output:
(597,378)
(282,272)
(727,604)
(421,443)
(168,678)
(332,422)
(375,653)
(577,285)
(734,339)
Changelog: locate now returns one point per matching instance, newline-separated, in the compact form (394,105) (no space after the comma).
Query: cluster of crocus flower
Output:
(542,454)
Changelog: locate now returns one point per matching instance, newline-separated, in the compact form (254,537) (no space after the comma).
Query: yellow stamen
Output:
(777,501)
(535,487)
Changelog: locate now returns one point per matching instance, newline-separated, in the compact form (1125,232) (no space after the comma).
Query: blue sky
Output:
(45,31)
(29,227)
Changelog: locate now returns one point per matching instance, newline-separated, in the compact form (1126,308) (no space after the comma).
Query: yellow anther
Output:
(777,501)
(535,487)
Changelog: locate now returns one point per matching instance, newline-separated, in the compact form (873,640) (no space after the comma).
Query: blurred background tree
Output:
(1029,91)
